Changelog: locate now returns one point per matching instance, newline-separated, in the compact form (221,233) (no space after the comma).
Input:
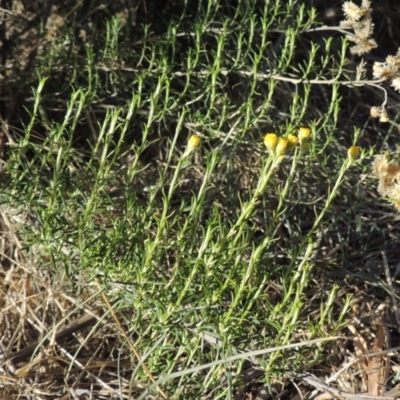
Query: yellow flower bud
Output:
(304,134)
(282,147)
(353,152)
(193,143)
(292,141)
(271,141)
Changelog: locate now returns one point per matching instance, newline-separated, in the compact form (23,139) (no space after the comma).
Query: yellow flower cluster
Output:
(278,147)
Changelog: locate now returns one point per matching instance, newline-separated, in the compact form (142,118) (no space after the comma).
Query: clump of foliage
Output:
(140,168)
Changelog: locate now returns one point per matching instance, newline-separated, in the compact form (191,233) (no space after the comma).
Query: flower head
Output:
(271,140)
(388,173)
(384,117)
(396,83)
(292,141)
(359,19)
(353,152)
(282,146)
(352,11)
(384,70)
(394,60)
(193,143)
(376,111)
(363,45)
(304,134)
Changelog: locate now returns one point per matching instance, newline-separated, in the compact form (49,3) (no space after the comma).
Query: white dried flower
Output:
(388,173)
(375,112)
(377,69)
(366,4)
(361,70)
(394,60)
(384,116)
(383,70)
(391,60)
(364,28)
(396,83)
(352,11)
(363,46)
(347,24)
(359,19)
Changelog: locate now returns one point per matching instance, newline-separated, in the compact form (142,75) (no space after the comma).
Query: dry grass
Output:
(56,341)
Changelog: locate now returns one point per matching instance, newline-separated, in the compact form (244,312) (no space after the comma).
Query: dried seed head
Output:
(359,19)
(366,4)
(376,112)
(396,83)
(352,11)
(384,70)
(384,116)
(347,24)
(393,60)
(361,70)
(363,45)
(388,173)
